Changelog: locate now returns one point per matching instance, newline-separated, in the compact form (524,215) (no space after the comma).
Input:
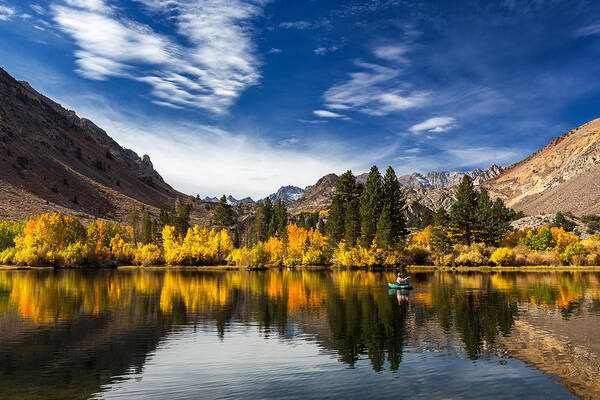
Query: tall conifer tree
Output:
(370,206)
(441,218)
(335,220)
(352,222)
(223,216)
(462,215)
(393,199)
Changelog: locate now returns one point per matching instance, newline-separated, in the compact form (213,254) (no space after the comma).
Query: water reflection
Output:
(73,332)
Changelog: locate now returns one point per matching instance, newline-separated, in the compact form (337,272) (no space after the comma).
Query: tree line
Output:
(361,213)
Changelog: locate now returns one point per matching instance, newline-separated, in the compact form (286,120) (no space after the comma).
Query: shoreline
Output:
(408,268)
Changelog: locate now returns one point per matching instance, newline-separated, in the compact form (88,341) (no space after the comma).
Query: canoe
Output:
(405,286)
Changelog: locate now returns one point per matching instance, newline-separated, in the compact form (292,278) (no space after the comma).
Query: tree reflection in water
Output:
(91,326)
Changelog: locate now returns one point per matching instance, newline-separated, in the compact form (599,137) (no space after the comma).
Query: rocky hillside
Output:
(287,193)
(316,197)
(52,160)
(563,176)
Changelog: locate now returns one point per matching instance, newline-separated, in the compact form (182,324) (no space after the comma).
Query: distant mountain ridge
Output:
(230,200)
(443,179)
(287,194)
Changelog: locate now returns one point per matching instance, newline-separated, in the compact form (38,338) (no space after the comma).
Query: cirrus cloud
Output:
(433,125)
(207,63)
(376,89)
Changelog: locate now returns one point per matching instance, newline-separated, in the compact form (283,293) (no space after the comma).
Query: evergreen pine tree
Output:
(347,187)
(223,216)
(335,221)
(394,200)
(426,219)
(279,218)
(312,220)
(260,224)
(370,206)
(236,238)
(441,218)
(500,222)
(146,234)
(182,218)
(268,209)
(352,223)
(440,242)
(462,215)
(301,220)
(321,226)
(483,219)
(384,228)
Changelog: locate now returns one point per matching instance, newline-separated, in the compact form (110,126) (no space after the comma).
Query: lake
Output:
(142,334)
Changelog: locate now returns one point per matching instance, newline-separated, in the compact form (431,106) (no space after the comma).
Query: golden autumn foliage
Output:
(358,256)
(298,246)
(503,256)
(424,237)
(199,247)
(58,240)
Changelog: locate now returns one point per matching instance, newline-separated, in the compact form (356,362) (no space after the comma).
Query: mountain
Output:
(53,160)
(445,179)
(316,197)
(563,176)
(422,192)
(287,193)
(230,200)
(234,202)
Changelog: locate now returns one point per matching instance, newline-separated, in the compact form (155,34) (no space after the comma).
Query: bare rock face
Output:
(287,194)
(563,176)
(317,197)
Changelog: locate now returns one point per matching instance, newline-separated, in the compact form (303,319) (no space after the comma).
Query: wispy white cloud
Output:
(313,121)
(392,52)
(237,163)
(321,51)
(335,106)
(92,5)
(38,9)
(593,29)
(6,12)
(274,51)
(304,25)
(327,114)
(434,125)
(377,89)
(483,156)
(215,65)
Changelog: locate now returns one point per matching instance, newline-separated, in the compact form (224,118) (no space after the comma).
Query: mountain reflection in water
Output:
(81,334)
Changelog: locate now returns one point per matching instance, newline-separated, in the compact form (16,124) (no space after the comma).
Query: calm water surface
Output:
(298,334)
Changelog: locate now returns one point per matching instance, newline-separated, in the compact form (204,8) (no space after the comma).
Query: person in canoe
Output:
(402,280)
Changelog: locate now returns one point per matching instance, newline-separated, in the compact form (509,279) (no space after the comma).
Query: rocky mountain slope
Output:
(52,160)
(563,176)
(287,193)
(445,179)
(316,197)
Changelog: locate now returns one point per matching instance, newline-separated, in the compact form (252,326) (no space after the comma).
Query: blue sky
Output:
(242,97)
